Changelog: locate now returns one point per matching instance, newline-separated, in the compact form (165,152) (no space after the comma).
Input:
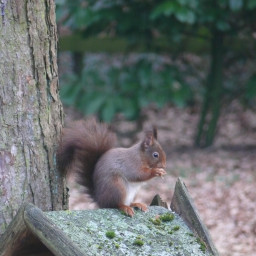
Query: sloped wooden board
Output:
(183,205)
(32,233)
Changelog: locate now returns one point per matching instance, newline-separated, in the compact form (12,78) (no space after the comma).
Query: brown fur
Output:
(81,146)
(111,193)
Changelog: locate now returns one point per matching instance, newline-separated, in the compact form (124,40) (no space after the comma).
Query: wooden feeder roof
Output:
(159,231)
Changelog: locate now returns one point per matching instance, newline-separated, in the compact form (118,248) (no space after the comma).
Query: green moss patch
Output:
(167,217)
(110,234)
(138,242)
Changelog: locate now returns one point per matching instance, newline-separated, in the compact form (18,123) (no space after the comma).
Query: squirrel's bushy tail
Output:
(81,146)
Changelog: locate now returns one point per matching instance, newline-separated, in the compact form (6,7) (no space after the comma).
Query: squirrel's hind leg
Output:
(129,211)
(141,206)
(126,209)
(113,195)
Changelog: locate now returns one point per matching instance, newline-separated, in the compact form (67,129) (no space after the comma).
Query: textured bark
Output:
(210,113)
(30,110)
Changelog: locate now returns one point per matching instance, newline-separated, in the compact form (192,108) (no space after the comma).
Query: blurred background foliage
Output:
(125,84)
(128,55)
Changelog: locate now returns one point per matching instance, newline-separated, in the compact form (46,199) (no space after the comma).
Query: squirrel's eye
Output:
(155,154)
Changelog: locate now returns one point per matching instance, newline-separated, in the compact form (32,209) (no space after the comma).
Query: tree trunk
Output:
(212,101)
(31,115)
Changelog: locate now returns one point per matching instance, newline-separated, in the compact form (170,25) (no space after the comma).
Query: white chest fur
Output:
(132,190)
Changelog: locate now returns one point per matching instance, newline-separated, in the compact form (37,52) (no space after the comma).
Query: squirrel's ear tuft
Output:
(148,140)
(155,132)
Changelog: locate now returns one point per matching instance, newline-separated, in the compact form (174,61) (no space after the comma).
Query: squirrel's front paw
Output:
(159,172)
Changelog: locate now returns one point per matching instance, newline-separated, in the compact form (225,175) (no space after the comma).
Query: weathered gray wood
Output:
(157,201)
(84,233)
(63,233)
(183,205)
(49,233)
(18,239)
(87,229)
(13,235)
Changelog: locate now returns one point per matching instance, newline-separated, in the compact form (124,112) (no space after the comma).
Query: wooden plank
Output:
(18,240)
(78,43)
(48,233)
(183,205)
(157,201)
(15,233)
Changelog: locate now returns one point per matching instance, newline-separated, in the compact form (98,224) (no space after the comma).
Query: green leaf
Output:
(222,25)
(166,8)
(130,108)
(59,2)
(69,93)
(251,88)
(190,3)
(251,4)
(95,104)
(185,15)
(235,5)
(180,93)
(108,110)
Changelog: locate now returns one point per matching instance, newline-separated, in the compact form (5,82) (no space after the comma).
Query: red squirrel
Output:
(111,175)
